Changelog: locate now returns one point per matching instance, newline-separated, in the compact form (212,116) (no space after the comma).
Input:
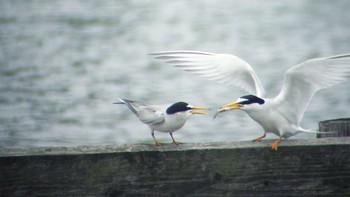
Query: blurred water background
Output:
(64,62)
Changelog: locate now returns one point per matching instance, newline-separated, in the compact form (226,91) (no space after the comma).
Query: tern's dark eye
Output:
(178,107)
(250,99)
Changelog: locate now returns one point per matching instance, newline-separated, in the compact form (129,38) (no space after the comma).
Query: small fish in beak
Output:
(228,107)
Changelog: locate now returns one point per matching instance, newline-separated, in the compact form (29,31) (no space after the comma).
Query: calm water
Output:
(63,64)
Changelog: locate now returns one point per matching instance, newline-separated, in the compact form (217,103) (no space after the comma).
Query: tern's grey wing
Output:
(148,114)
(151,116)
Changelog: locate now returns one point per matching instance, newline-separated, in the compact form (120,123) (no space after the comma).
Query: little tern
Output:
(163,118)
(280,115)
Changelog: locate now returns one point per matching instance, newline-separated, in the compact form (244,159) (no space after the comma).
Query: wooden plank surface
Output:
(334,128)
(315,167)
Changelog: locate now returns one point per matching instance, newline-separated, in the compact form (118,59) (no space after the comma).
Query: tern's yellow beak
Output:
(228,107)
(195,110)
(231,106)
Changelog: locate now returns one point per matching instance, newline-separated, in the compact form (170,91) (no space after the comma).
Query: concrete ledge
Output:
(300,167)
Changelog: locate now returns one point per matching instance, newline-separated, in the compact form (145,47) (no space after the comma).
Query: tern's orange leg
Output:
(259,138)
(157,143)
(175,142)
(274,145)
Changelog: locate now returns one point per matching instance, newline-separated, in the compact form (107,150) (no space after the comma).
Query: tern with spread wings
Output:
(280,115)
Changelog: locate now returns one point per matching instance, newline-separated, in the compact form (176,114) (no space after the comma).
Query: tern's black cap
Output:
(178,107)
(250,99)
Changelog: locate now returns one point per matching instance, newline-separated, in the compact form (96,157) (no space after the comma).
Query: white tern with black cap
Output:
(163,118)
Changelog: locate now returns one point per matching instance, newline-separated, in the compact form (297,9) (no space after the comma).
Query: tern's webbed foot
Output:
(174,142)
(274,145)
(177,143)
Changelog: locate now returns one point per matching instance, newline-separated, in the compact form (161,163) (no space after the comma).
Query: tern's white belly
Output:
(170,124)
(273,122)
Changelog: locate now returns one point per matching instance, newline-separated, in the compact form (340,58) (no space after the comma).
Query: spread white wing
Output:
(302,81)
(148,114)
(224,68)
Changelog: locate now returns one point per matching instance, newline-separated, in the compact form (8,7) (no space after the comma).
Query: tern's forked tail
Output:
(126,102)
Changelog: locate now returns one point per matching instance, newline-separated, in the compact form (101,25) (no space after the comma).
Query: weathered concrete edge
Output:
(78,150)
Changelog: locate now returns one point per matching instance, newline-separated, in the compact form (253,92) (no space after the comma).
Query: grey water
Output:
(64,62)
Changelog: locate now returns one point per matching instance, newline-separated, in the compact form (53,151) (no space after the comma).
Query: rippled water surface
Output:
(63,63)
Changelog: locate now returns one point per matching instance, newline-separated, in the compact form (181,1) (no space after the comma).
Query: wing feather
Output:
(224,68)
(148,114)
(302,81)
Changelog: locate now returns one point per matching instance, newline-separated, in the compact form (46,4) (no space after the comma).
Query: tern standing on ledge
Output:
(280,115)
(163,118)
